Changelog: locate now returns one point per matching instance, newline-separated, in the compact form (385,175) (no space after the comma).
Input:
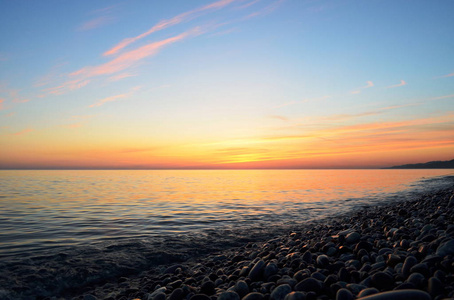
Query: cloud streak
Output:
(22,132)
(114,98)
(124,61)
(184,17)
(104,18)
(368,85)
(402,83)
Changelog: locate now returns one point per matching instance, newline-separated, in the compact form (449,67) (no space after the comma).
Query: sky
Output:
(225,84)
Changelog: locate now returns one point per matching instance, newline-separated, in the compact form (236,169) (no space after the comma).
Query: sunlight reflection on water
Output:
(42,209)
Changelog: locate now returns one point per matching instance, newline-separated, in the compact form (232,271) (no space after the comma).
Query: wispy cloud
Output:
(121,76)
(95,23)
(22,132)
(104,17)
(265,11)
(441,97)
(248,4)
(402,83)
(124,61)
(448,75)
(1,103)
(184,17)
(368,85)
(114,98)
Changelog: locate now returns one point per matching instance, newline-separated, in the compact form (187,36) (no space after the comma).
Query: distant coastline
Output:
(449,164)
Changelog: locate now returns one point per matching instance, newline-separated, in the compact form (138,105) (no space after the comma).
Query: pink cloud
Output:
(449,75)
(1,103)
(402,83)
(22,132)
(186,16)
(124,61)
(114,98)
(369,84)
(121,76)
(264,11)
(95,23)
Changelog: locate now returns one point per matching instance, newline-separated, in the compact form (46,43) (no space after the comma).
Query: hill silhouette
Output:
(449,164)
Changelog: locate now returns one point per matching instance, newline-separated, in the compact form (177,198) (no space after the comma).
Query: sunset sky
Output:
(226,84)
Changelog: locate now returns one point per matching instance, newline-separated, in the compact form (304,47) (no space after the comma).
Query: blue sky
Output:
(230,83)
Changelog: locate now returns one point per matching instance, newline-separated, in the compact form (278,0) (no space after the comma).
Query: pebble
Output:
(309,285)
(256,271)
(352,238)
(344,294)
(399,295)
(295,296)
(446,248)
(253,296)
(200,297)
(228,295)
(382,281)
(280,292)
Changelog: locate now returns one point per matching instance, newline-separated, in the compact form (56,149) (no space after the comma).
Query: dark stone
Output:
(382,281)
(405,286)
(368,292)
(253,296)
(309,285)
(228,295)
(270,269)
(420,268)
(280,292)
(307,257)
(434,286)
(257,270)
(322,261)
(242,288)
(200,297)
(344,294)
(352,238)
(417,279)
(399,295)
(172,269)
(409,262)
(295,296)
(177,294)
(446,248)
(208,288)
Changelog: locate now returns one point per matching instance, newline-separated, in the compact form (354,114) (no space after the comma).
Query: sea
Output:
(59,224)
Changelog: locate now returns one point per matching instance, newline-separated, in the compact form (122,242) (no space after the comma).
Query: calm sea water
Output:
(51,211)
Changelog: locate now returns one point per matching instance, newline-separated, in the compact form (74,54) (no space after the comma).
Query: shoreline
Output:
(406,245)
(320,237)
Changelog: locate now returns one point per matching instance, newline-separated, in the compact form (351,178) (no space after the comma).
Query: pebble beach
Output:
(403,250)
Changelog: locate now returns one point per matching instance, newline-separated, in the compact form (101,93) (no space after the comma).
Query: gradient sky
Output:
(226,84)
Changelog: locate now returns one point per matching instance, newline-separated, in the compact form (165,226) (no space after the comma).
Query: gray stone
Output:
(352,238)
(280,292)
(446,248)
(309,285)
(399,295)
(295,296)
(241,288)
(253,296)
(228,295)
(368,292)
(344,294)
(257,270)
